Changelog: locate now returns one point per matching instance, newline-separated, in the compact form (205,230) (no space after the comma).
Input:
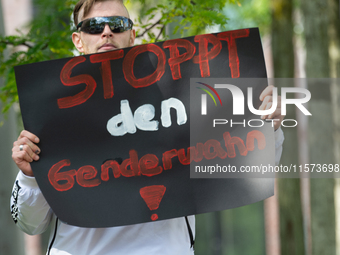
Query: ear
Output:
(77,42)
(132,37)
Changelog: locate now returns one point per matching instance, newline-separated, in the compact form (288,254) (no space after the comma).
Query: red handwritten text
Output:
(175,60)
(148,165)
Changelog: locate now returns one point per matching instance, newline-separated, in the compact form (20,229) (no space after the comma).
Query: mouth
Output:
(107,46)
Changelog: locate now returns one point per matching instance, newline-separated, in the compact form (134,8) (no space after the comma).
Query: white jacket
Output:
(33,215)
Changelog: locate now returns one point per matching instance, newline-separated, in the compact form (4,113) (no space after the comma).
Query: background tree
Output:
(334,50)
(291,224)
(316,24)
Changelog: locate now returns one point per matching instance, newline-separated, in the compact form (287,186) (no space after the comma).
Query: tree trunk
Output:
(291,224)
(334,50)
(316,22)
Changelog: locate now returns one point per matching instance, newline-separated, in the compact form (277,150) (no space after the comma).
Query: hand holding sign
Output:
(25,151)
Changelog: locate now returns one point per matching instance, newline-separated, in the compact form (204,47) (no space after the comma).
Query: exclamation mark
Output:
(152,196)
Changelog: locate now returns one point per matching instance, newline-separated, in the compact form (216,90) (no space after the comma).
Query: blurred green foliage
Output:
(49,34)
(252,13)
(48,37)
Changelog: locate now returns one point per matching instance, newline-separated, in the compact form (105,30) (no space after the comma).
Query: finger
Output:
(26,157)
(278,112)
(31,155)
(268,91)
(267,107)
(22,160)
(20,157)
(27,141)
(266,100)
(29,135)
(26,154)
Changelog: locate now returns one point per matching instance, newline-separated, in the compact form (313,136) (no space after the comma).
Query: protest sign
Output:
(115,130)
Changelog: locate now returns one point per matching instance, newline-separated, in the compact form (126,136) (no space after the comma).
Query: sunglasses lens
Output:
(116,25)
(92,26)
(96,25)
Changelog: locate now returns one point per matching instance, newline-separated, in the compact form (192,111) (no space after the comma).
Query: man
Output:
(29,208)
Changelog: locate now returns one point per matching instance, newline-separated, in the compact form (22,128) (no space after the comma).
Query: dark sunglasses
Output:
(96,25)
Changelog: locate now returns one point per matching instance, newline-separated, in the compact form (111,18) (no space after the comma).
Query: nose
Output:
(107,31)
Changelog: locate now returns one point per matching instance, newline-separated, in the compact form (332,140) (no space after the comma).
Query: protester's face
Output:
(107,40)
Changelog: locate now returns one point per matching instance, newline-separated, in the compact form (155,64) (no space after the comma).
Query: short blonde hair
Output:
(87,4)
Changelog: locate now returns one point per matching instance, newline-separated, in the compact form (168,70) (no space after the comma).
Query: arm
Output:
(29,209)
